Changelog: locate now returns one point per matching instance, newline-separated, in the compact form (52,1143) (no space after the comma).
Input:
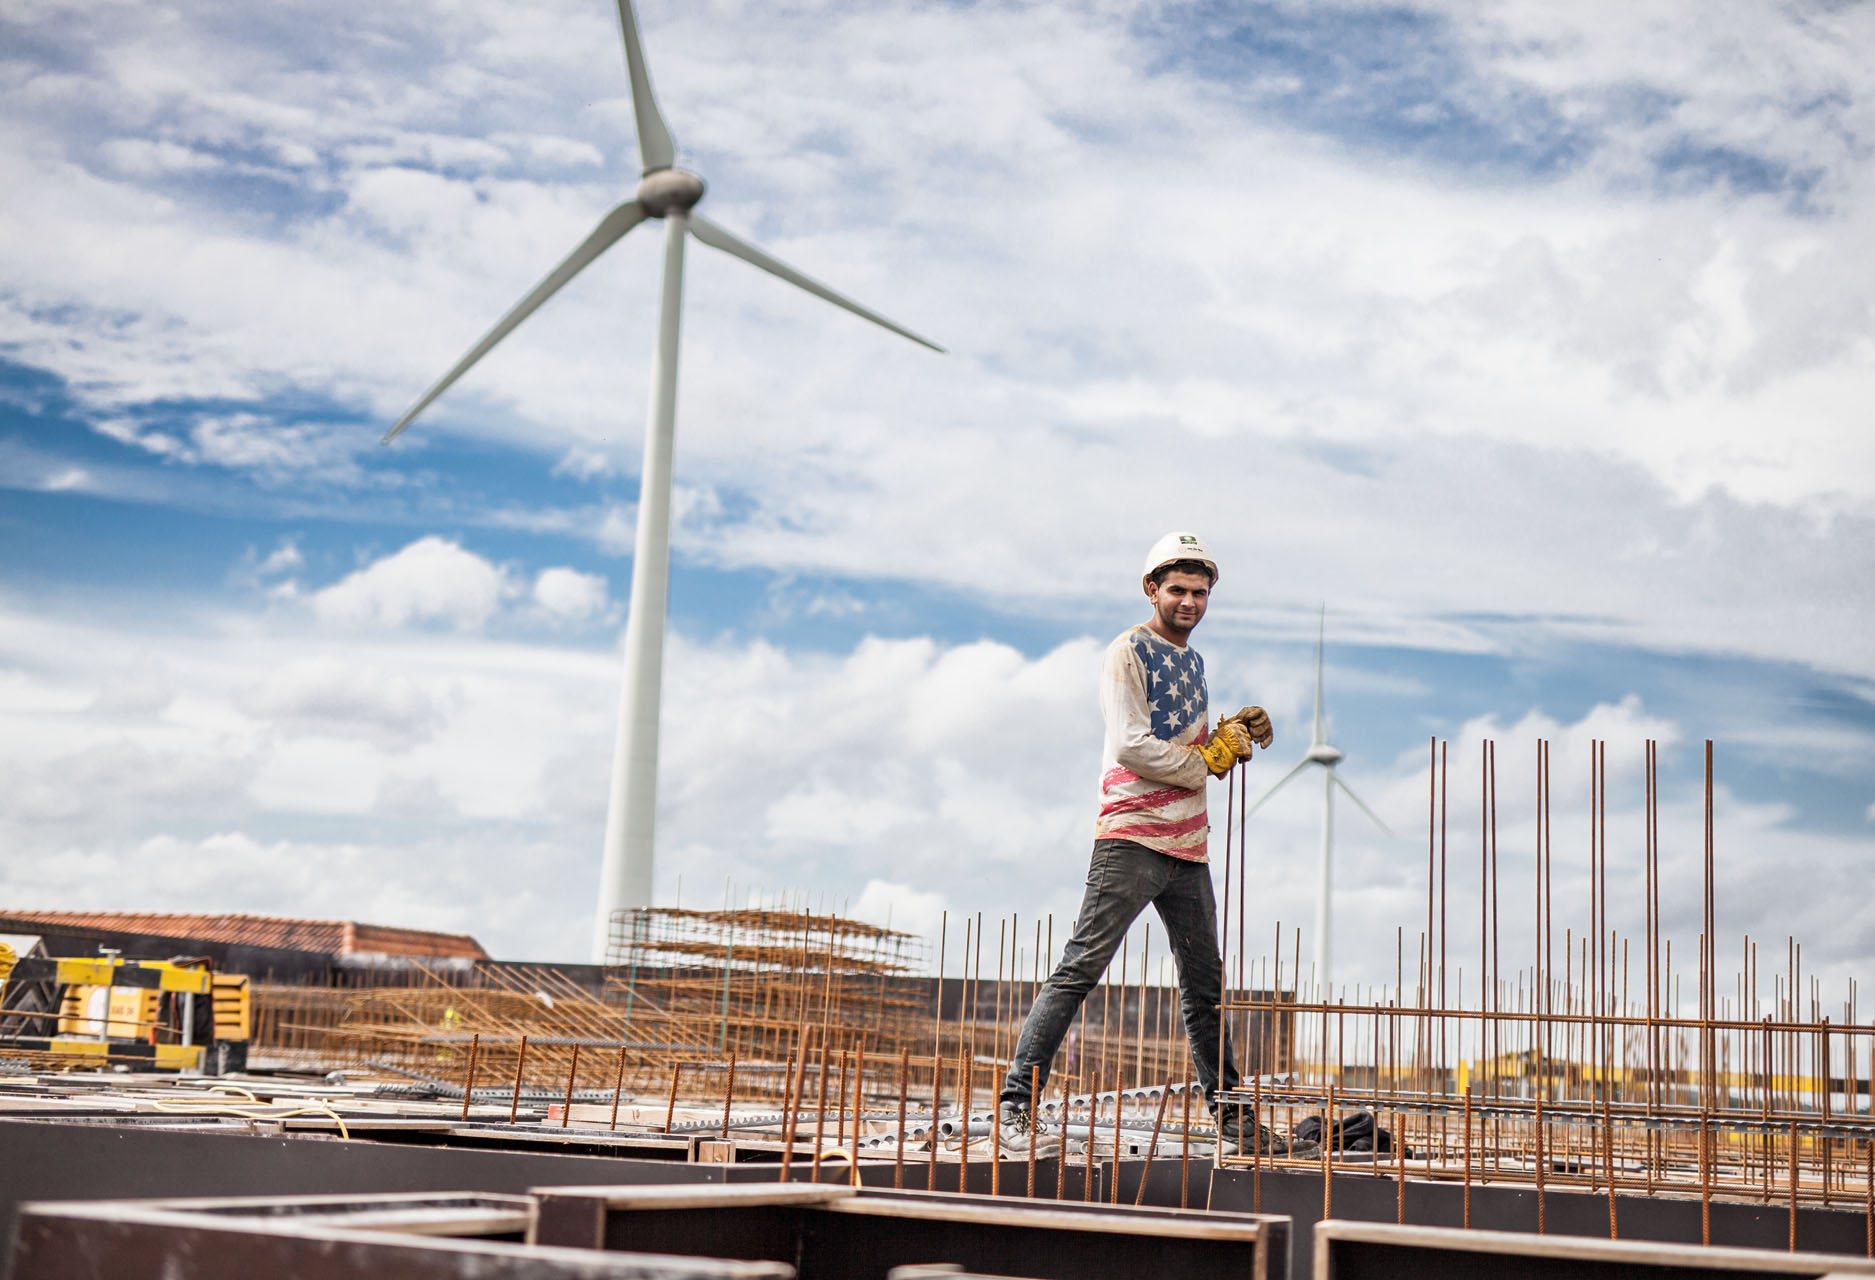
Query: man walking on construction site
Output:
(1150,843)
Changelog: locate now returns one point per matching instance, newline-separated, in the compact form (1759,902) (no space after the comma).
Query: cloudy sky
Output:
(1534,341)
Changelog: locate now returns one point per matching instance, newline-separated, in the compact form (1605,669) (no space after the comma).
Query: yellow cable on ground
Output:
(209,1108)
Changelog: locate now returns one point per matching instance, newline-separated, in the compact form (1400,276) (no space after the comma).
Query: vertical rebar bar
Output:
(1608,1156)
(1467,1214)
(1113,1192)
(1705,1178)
(904,1087)
(514,1100)
(937,1102)
(468,1084)
(1152,1147)
(966,1098)
(1139,1023)
(1542,1160)
(997,1070)
(937,1014)
(566,1106)
(839,1110)
(1035,1119)
(618,1088)
(859,1105)
(820,1106)
(1792,1244)
(996,1044)
(1061,1158)
(1184,1157)
(1399,1167)
(1328,1152)
(1256,1148)
(729,1093)
(791,1096)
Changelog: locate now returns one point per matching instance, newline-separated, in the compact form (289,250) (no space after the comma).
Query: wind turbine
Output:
(1321,753)
(671,194)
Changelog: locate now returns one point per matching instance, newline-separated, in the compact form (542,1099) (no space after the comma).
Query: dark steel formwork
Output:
(1366,1251)
(48,1161)
(1307,1198)
(324,1238)
(761,1232)
(848,1233)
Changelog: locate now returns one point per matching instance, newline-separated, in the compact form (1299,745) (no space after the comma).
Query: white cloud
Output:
(567,595)
(583,464)
(331,695)
(247,440)
(618,532)
(67,479)
(446,778)
(823,814)
(898,906)
(1451,395)
(147,157)
(284,558)
(431,580)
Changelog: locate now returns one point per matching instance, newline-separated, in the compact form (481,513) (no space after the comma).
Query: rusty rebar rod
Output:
(468,1084)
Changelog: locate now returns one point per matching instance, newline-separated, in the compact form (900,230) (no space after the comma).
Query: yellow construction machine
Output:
(174,1015)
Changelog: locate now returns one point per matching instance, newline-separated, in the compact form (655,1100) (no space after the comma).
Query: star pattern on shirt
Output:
(1175,690)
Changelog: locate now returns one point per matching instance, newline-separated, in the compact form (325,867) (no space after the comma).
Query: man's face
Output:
(1178,601)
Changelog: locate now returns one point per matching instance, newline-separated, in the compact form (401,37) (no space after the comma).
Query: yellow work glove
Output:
(1229,744)
(1256,722)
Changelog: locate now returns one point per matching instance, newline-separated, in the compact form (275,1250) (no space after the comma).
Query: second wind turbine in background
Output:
(667,192)
(1321,753)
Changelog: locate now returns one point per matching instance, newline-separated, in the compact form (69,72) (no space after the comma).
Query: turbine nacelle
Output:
(667,191)
(1322,753)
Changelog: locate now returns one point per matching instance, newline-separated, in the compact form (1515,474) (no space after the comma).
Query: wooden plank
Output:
(458,1221)
(356,1124)
(380,1210)
(735,1196)
(1112,1222)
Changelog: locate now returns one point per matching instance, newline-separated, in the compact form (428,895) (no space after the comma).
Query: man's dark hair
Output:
(1157,576)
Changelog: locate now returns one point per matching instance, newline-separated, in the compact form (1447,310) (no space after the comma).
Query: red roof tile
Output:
(334,937)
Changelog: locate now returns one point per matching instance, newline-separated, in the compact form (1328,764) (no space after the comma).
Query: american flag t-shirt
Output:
(1152,781)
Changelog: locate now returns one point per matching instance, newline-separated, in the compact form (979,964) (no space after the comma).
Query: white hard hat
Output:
(1174,547)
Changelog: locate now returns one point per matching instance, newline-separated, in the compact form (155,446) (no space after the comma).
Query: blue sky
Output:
(1536,344)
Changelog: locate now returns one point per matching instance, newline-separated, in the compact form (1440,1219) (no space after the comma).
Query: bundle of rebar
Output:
(1592,1073)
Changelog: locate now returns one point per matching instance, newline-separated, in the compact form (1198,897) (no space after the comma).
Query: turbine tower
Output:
(671,194)
(1321,753)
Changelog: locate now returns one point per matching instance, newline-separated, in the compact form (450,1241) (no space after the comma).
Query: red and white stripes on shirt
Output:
(1153,698)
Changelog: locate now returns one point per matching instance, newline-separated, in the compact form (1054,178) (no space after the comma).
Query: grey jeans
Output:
(1121,879)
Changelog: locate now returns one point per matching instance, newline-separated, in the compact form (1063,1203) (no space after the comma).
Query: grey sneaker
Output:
(1231,1138)
(1016,1126)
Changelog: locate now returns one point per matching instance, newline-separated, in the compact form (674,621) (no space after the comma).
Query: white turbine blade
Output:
(717,238)
(1357,800)
(611,227)
(1320,728)
(655,148)
(1300,766)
